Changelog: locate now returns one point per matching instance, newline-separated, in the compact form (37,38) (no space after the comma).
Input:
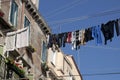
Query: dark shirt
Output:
(108,31)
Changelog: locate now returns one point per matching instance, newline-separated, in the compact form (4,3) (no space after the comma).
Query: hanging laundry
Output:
(50,41)
(64,38)
(117,26)
(69,37)
(81,37)
(54,39)
(22,37)
(59,40)
(10,41)
(47,38)
(96,34)
(88,34)
(77,40)
(73,40)
(108,31)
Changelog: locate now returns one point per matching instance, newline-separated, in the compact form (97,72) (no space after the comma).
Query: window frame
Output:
(25,17)
(28,26)
(45,55)
(13,22)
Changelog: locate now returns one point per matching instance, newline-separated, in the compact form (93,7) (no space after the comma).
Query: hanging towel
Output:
(10,41)
(96,34)
(117,26)
(22,38)
(108,31)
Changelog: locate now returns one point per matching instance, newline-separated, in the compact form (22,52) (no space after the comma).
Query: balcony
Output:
(19,39)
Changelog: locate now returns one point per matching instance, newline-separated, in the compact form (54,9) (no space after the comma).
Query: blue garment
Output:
(96,34)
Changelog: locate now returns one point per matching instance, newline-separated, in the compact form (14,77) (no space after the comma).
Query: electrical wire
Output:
(94,74)
(64,9)
(64,21)
(99,74)
(101,47)
(61,8)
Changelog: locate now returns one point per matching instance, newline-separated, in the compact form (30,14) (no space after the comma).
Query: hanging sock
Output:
(96,34)
(117,26)
(108,31)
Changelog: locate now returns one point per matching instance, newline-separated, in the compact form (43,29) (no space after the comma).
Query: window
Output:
(44,52)
(14,13)
(26,22)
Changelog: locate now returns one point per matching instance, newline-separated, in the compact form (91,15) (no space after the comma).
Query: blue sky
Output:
(71,15)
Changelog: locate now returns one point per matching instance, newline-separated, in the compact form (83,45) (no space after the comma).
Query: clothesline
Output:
(81,37)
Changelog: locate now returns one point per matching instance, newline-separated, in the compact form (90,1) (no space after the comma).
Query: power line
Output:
(64,9)
(61,8)
(99,74)
(101,47)
(64,21)
(94,74)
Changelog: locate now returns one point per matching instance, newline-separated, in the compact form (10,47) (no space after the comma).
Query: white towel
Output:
(10,41)
(22,39)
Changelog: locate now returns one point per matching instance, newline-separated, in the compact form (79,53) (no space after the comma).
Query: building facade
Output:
(22,36)
(61,66)
(24,54)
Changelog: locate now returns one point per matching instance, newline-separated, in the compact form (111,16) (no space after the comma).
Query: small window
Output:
(44,52)
(14,13)
(26,22)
